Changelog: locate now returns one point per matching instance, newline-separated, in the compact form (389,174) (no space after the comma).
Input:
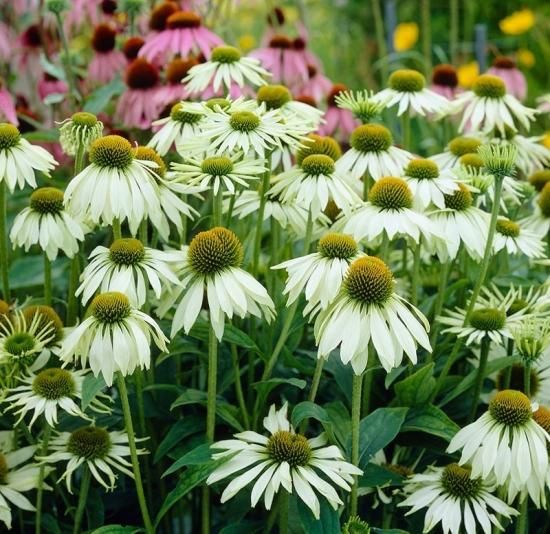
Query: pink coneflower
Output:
(7,106)
(505,68)
(337,119)
(81,12)
(317,85)
(159,15)
(7,38)
(131,47)
(303,55)
(279,58)
(107,61)
(184,35)
(49,85)
(137,107)
(31,45)
(445,81)
(174,90)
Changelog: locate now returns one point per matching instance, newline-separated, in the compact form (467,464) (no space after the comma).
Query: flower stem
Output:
(41,472)
(66,59)
(47,281)
(453,33)
(238,385)
(416,273)
(4,261)
(217,202)
(261,210)
(523,518)
(406,131)
(82,498)
(117,230)
(317,374)
(355,422)
(380,41)
(133,452)
(438,306)
(283,512)
(426,36)
(478,384)
(527,378)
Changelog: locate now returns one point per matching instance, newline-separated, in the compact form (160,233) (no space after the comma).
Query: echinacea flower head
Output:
(313,183)
(539,179)
(79,131)
(368,310)
(181,125)
(212,265)
(498,159)
(455,498)
(445,80)
(225,68)
(428,183)
(284,461)
(320,275)
(219,171)
(372,152)
(101,451)
(505,442)
(505,68)
(107,60)
(15,479)
(129,267)
(46,223)
(47,318)
(48,392)
(19,159)
(389,211)
(407,88)
(532,338)
(354,525)
(515,238)
(457,147)
(115,337)
(318,144)
(362,104)
(488,107)
(116,185)
(539,221)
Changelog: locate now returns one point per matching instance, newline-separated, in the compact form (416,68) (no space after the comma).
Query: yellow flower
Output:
(405,36)
(467,74)
(518,22)
(526,58)
(546,140)
(247,42)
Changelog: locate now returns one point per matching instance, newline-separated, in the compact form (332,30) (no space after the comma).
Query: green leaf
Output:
(182,429)
(28,271)
(310,410)
(376,475)
(469,379)
(101,97)
(240,527)
(42,136)
(199,455)
(231,334)
(189,396)
(265,386)
(377,430)
(91,386)
(388,531)
(192,477)
(432,420)
(328,522)
(116,529)
(417,388)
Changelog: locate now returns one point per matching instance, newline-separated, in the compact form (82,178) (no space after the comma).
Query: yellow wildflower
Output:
(467,74)
(247,42)
(518,22)
(405,36)
(546,140)
(525,58)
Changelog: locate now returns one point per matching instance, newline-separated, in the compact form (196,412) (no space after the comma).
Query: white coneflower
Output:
(19,159)
(181,125)
(539,179)
(215,171)
(407,88)
(532,155)
(362,104)
(367,310)
(457,147)
(95,448)
(46,223)
(15,479)
(388,211)
(313,184)
(456,499)
(505,441)
(225,68)
(128,267)
(428,183)
(487,106)
(372,153)
(320,275)
(114,337)
(539,221)
(80,131)
(283,461)
(532,339)
(460,222)
(115,185)
(212,265)
(49,391)
(23,343)
(515,239)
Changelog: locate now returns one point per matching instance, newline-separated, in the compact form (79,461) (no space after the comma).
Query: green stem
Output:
(317,374)
(453,33)
(133,452)
(238,385)
(406,131)
(82,498)
(427,36)
(264,187)
(283,511)
(439,300)
(117,230)
(47,281)
(527,378)
(522,521)
(217,203)
(384,254)
(4,260)
(41,472)
(72,301)
(381,42)
(355,422)
(508,372)
(416,273)
(482,368)
(67,59)
(143,232)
